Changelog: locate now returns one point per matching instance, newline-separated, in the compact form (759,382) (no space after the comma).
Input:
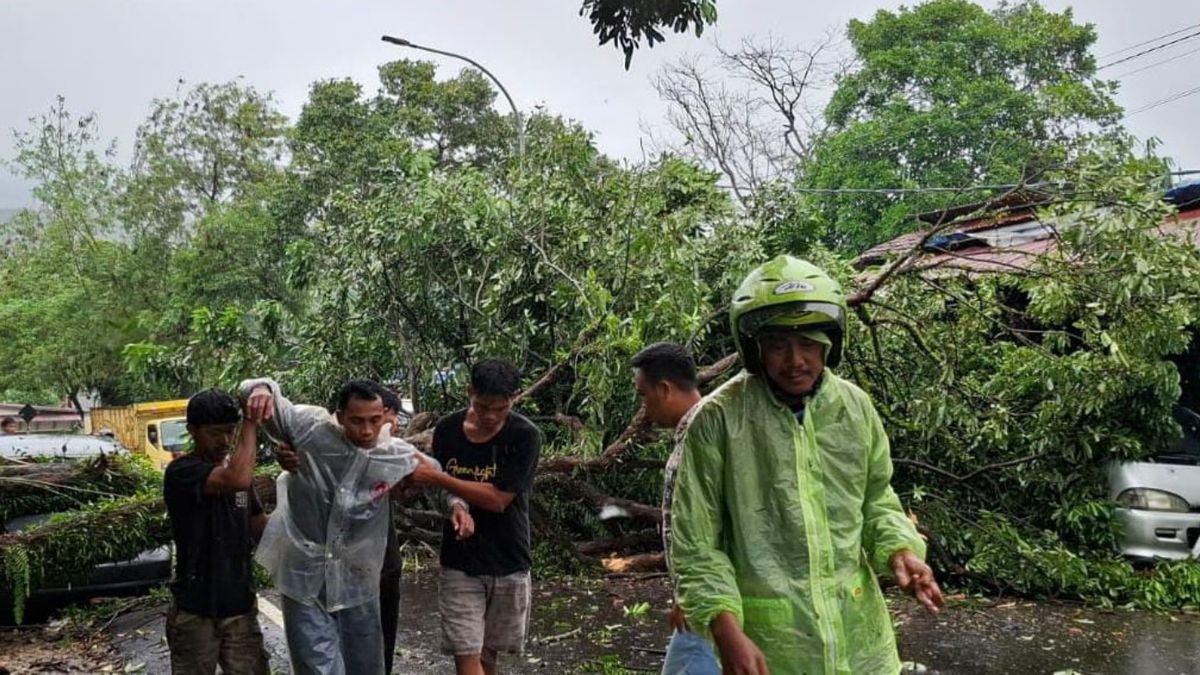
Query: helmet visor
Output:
(793,316)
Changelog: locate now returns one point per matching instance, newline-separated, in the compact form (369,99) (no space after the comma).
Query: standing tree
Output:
(66,304)
(198,150)
(756,133)
(949,94)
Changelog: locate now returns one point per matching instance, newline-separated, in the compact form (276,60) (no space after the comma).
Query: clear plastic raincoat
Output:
(324,543)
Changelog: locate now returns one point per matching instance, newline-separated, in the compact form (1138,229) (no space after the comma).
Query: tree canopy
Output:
(947,94)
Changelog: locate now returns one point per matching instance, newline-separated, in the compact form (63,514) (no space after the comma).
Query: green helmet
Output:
(790,294)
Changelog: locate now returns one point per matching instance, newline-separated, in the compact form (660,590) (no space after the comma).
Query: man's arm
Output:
(675,618)
(482,495)
(258,517)
(705,580)
(514,475)
(887,530)
(257,525)
(447,504)
(893,545)
(264,402)
(237,474)
(443,500)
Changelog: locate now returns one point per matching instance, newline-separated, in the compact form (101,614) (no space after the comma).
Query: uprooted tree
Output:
(1005,395)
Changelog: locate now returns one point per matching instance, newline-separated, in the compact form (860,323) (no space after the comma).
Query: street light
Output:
(401,42)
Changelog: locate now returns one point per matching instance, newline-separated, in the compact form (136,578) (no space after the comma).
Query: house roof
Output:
(1005,241)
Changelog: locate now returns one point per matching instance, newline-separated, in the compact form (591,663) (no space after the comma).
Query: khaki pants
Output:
(199,643)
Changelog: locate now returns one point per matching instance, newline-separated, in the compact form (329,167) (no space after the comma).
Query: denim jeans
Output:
(346,642)
(690,654)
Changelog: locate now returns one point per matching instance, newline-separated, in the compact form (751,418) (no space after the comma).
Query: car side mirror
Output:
(152,434)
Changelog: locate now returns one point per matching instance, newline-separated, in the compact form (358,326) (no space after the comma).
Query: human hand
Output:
(739,654)
(426,473)
(286,455)
(914,577)
(260,406)
(461,521)
(677,620)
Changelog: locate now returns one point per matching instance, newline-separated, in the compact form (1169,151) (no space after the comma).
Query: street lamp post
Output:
(516,113)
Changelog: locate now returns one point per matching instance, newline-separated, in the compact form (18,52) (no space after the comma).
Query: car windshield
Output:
(1187,449)
(174,435)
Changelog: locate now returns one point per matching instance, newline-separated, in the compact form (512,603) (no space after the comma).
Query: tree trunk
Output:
(74,398)
(624,543)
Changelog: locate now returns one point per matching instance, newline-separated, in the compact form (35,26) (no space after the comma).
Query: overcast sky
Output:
(113,57)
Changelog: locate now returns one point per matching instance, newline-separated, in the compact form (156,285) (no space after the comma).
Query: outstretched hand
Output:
(914,577)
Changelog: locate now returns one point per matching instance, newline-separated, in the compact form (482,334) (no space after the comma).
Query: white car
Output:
(1159,498)
(56,446)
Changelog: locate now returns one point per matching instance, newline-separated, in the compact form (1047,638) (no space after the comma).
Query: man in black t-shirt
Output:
(214,515)
(489,455)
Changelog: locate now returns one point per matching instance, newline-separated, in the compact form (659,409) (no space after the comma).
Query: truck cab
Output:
(157,429)
(166,439)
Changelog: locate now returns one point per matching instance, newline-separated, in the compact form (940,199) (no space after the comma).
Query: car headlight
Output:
(1148,499)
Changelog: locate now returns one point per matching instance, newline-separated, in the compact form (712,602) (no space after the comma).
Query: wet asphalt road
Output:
(591,626)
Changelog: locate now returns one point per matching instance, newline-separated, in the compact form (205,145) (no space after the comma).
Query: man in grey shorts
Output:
(489,455)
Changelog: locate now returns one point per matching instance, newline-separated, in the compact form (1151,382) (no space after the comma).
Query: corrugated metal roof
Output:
(906,242)
(974,254)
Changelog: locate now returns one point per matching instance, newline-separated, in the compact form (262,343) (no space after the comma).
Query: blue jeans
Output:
(690,654)
(347,642)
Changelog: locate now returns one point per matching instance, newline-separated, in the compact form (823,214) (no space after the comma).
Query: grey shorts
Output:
(483,614)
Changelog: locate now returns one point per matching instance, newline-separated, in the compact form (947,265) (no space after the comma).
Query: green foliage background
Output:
(399,236)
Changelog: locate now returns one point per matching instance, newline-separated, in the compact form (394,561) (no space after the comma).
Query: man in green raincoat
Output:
(783,511)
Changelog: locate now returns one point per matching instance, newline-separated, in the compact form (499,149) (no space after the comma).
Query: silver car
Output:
(61,447)
(1159,498)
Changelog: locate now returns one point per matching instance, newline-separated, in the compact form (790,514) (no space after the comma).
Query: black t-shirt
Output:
(500,544)
(212,541)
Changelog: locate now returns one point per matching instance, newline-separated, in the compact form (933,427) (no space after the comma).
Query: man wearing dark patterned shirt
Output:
(666,381)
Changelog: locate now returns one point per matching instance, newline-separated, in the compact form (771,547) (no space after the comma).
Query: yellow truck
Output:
(157,429)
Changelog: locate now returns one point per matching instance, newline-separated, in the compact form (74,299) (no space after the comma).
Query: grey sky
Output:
(113,57)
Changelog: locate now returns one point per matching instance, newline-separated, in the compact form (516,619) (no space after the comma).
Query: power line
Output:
(932,189)
(1156,48)
(1158,63)
(915,190)
(1151,40)
(1161,102)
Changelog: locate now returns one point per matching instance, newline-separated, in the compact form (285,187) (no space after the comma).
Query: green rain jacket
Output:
(785,524)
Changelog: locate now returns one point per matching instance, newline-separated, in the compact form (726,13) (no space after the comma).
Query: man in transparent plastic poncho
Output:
(324,545)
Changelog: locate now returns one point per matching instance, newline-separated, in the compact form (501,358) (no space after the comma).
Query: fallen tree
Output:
(1005,395)
(68,547)
(52,487)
